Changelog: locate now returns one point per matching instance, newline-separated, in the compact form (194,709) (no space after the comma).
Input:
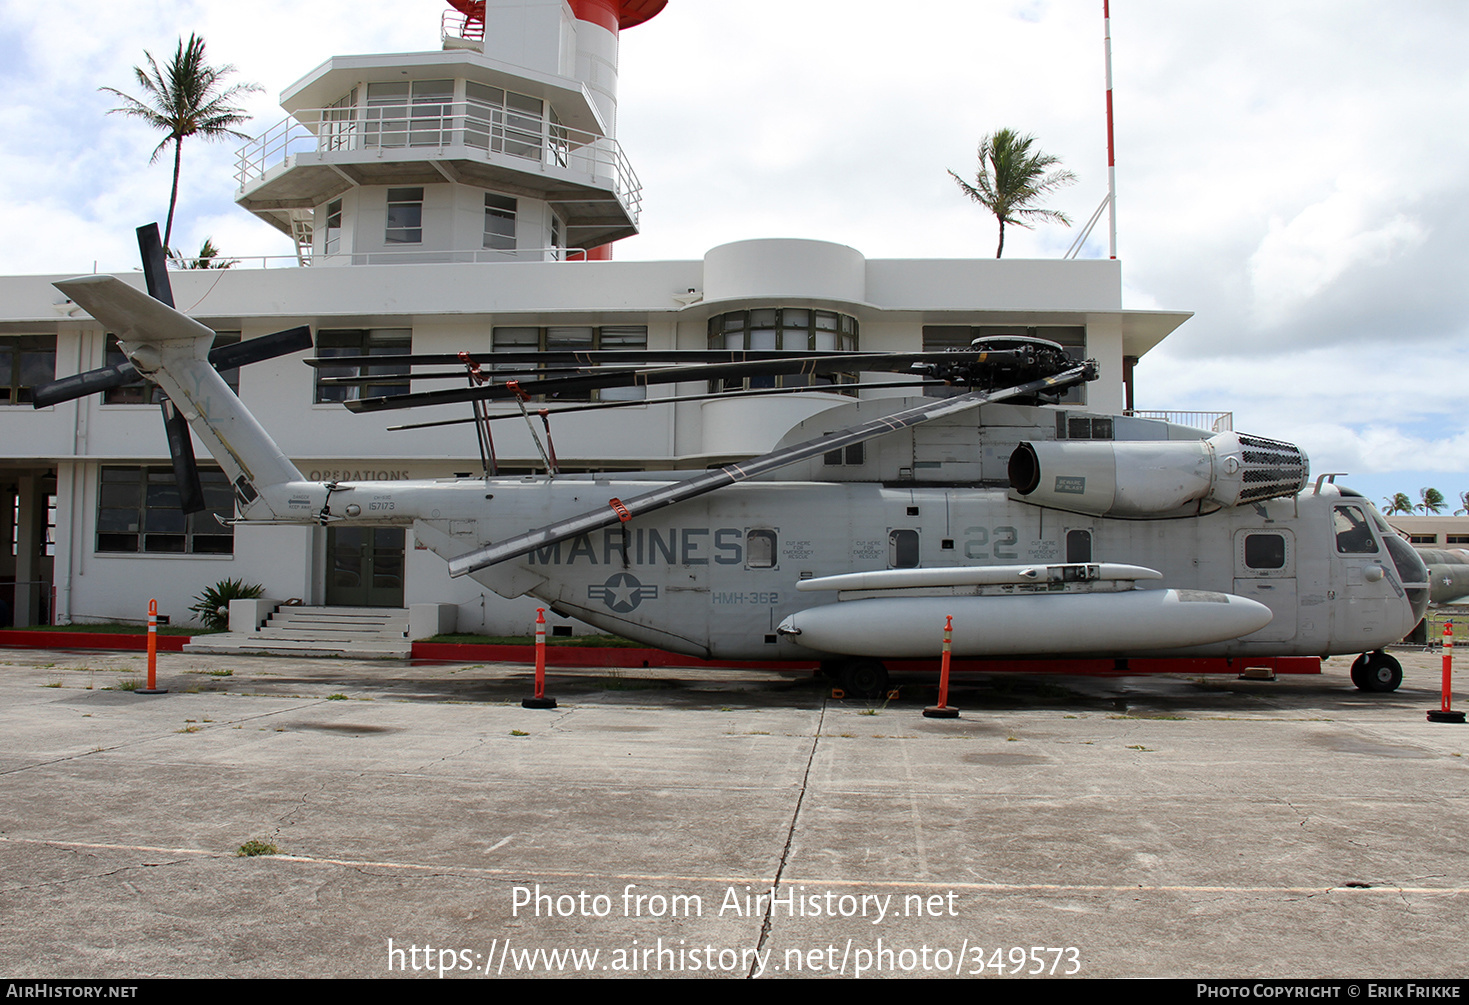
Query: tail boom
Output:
(171,349)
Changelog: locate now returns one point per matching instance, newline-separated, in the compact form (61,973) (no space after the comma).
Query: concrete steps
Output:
(356,632)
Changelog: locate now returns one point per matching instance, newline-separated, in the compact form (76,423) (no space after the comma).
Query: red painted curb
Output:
(22,639)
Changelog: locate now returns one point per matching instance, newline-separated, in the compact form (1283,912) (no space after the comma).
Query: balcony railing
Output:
(1218,422)
(500,135)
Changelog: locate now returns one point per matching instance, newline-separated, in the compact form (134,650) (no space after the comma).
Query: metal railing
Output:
(499,135)
(454,24)
(387,258)
(1218,422)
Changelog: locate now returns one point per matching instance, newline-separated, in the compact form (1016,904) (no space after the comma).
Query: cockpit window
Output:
(1353,532)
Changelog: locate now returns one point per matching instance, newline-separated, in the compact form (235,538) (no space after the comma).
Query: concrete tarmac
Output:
(427,823)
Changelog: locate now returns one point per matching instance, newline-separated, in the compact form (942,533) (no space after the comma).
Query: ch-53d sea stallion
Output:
(1046,531)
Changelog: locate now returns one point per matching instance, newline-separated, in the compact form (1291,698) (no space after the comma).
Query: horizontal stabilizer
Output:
(131,314)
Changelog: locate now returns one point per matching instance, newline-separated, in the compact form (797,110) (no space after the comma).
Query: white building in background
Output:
(461,200)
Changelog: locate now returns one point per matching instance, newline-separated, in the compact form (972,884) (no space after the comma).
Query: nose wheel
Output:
(860,677)
(1377,671)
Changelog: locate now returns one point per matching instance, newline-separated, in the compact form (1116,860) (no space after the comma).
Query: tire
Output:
(1381,674)
(1359,672)
(865,678)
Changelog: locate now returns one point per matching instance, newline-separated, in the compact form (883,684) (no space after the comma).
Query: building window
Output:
(26,362)
(570,337)
(417,113)
(502,121)
(405,216)
(848,456)
(1423,539)
(138,512)
(797,329)
(388,379)
(1457,539)
(338,126)
(558,238)
(1071,337)
(499,222)
(333,227)
(145,392)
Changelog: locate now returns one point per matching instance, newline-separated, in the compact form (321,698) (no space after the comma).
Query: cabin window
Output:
(26,362)
(138,513)
(1264,551)
(903,549)
(1078,546)
(499,222)
(1353,532)
(405,216)
(145,392)
(369,381)
(760,549)
(784,329)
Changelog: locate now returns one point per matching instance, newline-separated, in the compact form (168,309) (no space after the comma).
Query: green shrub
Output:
(213,605)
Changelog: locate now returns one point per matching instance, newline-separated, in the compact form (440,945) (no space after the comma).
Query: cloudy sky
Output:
(1293,171)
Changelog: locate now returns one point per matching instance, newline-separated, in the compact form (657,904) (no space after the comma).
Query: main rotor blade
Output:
(580,357)
(730,474)
(610,378)
(181,452)
(677,399)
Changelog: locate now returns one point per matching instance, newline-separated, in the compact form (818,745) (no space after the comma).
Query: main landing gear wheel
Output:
(1377,672)
(865,678)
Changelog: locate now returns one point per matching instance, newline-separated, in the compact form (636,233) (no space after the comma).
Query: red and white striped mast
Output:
(1111,151)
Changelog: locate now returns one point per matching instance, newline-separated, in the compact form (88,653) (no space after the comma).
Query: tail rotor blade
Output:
(185,468)
(79,385)
(155,264)
(255,350)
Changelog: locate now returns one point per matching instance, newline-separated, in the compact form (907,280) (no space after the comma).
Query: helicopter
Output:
(1044,530)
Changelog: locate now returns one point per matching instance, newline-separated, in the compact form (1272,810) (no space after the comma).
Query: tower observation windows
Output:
(414,113)
(794,329)
(502,121)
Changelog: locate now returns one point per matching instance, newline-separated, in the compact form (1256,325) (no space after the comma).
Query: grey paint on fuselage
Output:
(703,602)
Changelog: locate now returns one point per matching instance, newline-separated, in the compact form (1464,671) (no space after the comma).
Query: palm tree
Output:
(1463,498)
(1432,501)
(1011,178)
(185,98)
(209,257)
(1399,503)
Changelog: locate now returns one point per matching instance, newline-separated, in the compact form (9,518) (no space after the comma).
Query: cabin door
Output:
(1265,571)
(364,566)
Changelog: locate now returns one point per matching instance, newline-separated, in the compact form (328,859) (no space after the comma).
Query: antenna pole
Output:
(1111,150)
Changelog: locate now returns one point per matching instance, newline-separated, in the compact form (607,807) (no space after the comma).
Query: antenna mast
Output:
(1111,151)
